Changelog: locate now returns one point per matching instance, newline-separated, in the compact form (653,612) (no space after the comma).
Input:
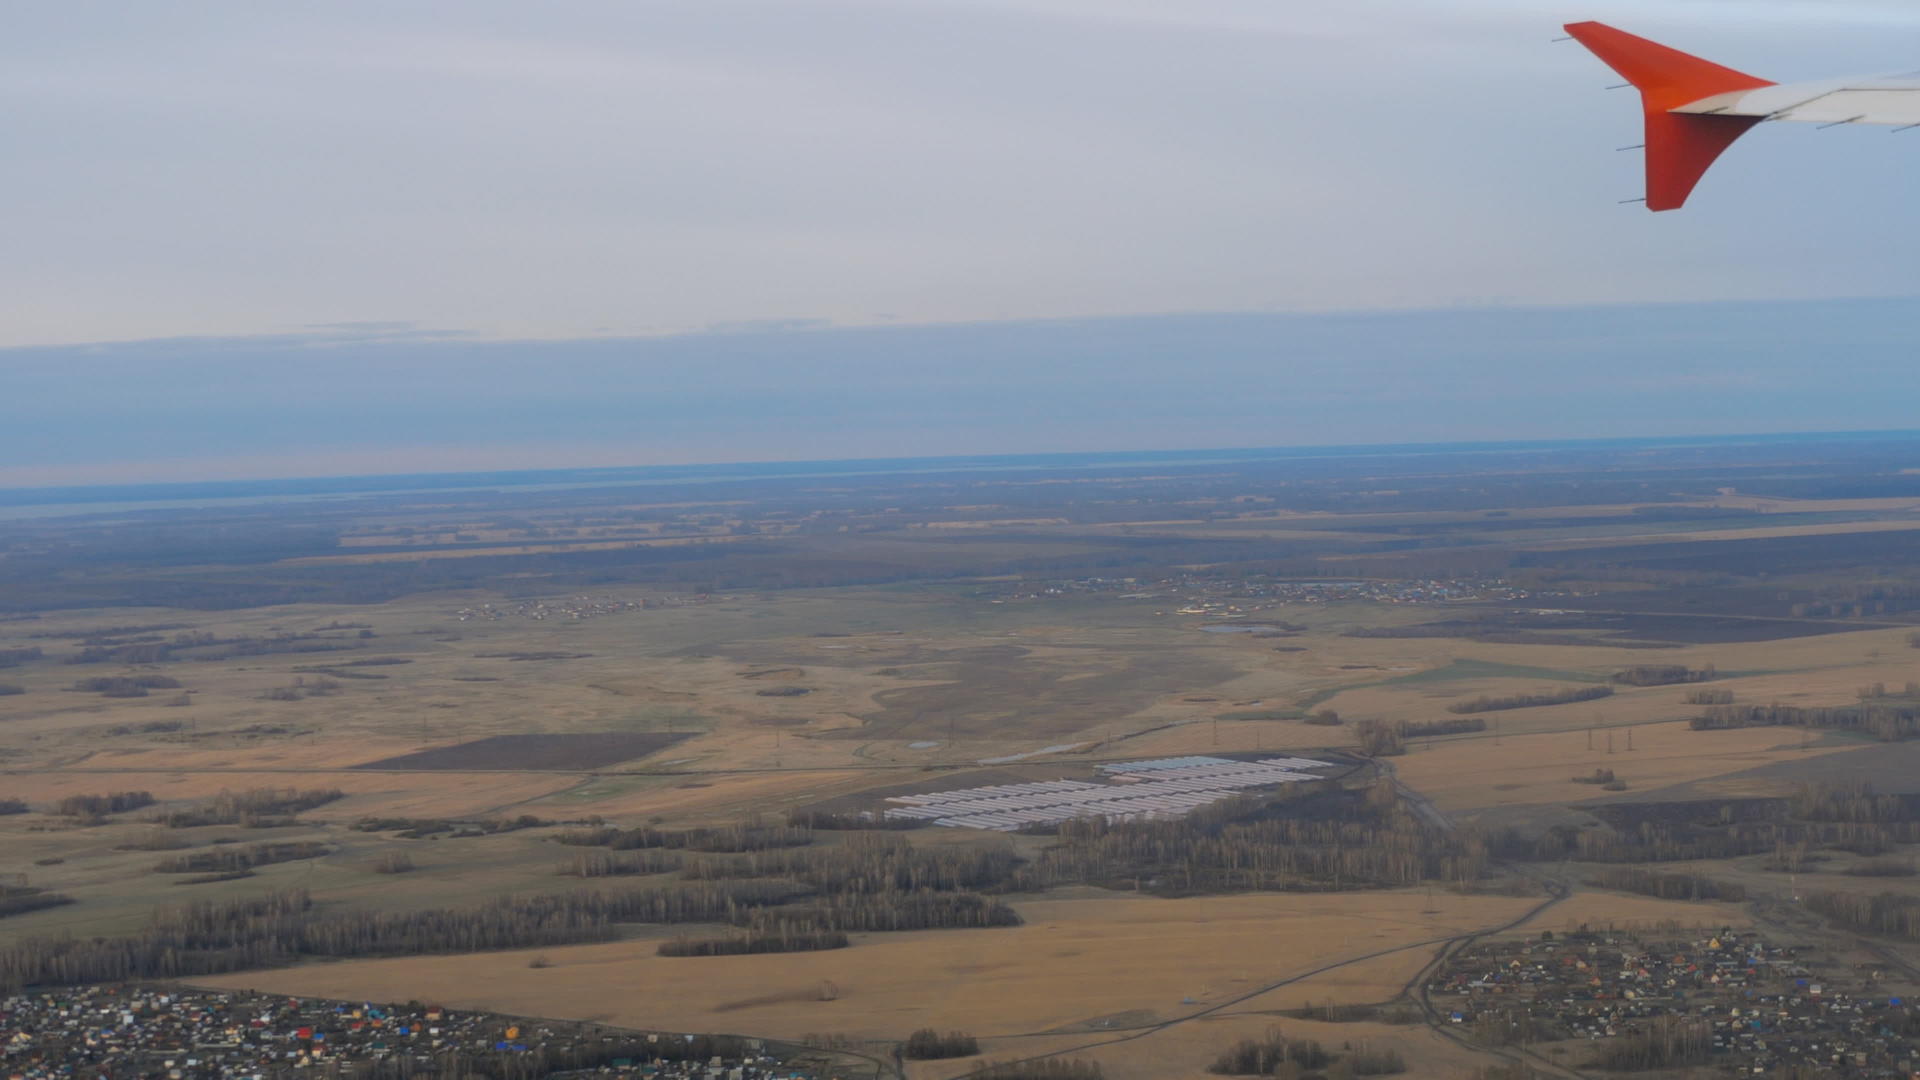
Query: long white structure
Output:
(1162,788)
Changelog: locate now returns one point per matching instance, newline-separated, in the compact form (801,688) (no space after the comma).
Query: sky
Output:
(389,236)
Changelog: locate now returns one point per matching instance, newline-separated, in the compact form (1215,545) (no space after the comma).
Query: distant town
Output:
(183,1034)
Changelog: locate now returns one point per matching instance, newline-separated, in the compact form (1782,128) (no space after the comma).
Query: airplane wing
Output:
(1893,99)
(1694,109)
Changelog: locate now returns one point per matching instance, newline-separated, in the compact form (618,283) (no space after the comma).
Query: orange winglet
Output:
(1680,146)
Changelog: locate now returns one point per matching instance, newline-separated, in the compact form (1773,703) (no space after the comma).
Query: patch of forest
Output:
(1888,721)
(1321,839)
(1844,817)
(1664,674)
(1667,886)
(256,808)
(226,860)
(733,838)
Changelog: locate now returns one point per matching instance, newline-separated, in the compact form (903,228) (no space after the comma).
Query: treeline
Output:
(1664,674)
(1332,839)
(125,686)
(20,899)
(254,808)
(1708,697)
(815,819)
(97,806)
(1849,817)
(278,928)
(1040,1069)
(1667,886)
(930,1045)
(1661,842)
(732,838)
(1269,1055)
(421,828)
(1383,738)
(1886,721)
(888,911)
(871,863)
(230,859)
(783,939)
(1892,914)
(1420,729)
(1670,1042)
(621,864)
(1563,696)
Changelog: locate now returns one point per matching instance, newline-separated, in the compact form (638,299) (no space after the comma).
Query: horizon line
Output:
(393,482)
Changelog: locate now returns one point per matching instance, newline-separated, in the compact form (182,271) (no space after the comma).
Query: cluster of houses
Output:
(573,608)
(141,1030)
(1755,1007)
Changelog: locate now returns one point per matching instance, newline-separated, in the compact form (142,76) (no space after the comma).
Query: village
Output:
(144,1030)
(574,608)
(1730,999)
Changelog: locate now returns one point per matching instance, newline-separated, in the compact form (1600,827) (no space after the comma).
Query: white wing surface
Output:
(1889,99)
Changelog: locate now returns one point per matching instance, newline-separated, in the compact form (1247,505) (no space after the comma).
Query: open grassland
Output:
(1075,963)
(768,702)
(1538,770)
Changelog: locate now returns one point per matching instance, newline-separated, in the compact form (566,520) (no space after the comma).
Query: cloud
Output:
(652,166)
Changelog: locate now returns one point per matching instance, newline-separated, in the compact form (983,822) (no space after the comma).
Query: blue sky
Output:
(389,236)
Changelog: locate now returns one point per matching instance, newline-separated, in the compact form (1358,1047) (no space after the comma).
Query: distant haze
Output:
(394,400)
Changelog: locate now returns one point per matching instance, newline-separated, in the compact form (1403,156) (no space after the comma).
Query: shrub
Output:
(1379,738)
(245,858)
(1664,675)
(1882,868)
(784,940)
(1041,1069)
(1375,1061)
(93,806)
(18,900)
(257,807)
(1265,1056)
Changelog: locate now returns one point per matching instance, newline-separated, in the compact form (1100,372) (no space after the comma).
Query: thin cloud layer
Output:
(590,167)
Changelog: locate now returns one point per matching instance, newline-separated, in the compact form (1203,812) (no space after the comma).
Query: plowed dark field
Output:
(563,752)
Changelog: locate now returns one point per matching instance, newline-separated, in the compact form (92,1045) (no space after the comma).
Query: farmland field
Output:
(647,711)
